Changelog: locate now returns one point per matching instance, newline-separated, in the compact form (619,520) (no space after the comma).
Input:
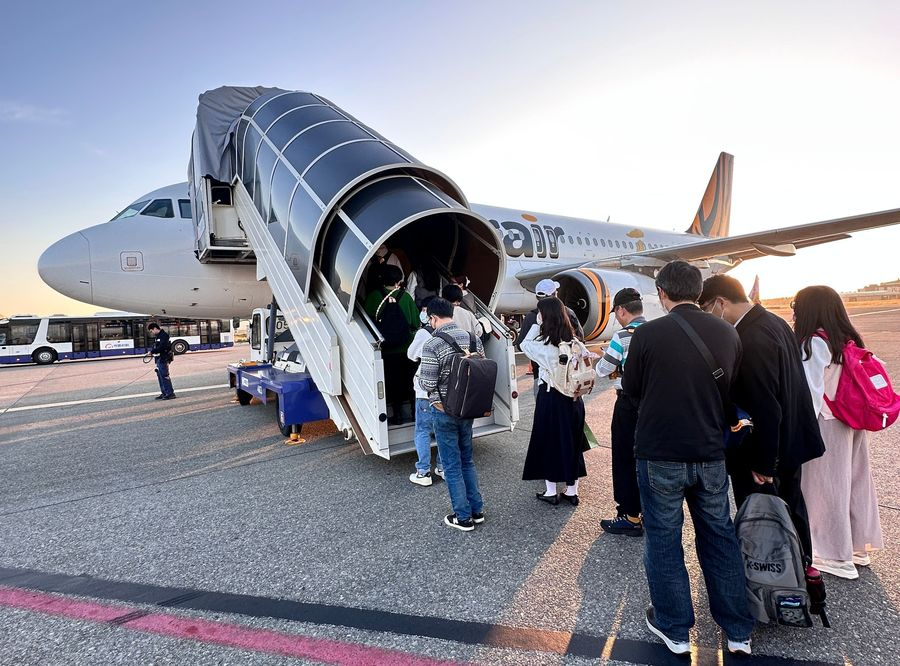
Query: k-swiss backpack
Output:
(865,398)
(573,375)
(470,391)
(773,562)
(391,321)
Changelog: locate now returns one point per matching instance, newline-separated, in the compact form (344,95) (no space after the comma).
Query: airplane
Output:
(145,258)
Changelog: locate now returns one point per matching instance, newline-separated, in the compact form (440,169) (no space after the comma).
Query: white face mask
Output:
(423,317)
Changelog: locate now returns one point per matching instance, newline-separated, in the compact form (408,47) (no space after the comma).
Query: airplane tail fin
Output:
(714,214)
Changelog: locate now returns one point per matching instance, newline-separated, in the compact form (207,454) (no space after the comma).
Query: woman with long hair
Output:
(557,445)
(838,487)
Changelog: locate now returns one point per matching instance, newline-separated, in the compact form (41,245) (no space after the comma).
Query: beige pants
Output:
(840,495)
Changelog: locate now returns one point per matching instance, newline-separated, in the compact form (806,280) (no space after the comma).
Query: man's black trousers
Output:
(788,486)
(625,487)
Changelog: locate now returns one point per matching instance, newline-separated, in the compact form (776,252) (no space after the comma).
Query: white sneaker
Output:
(836,568)
(440,472)
(421,479)
(739,647)
(862,559)
(676,647)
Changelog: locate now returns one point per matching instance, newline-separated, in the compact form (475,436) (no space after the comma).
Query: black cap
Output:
(626,295)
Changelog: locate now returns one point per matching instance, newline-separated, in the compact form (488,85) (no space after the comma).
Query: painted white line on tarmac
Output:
(109,399)
(869,314)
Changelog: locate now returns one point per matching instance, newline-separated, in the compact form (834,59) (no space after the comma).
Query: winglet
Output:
(714,214)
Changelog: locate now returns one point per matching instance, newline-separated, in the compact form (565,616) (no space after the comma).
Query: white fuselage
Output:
(145,263)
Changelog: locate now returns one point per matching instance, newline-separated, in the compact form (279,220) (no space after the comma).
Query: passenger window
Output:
(631,244)
(617,244)
(571,242)
(579,240)
(595,242)
(602,242)
(184,208)
(159,208)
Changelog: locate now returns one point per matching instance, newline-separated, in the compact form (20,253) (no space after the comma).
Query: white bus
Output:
(43,340)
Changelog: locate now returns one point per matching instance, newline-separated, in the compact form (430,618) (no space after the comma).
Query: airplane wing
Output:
(732,250)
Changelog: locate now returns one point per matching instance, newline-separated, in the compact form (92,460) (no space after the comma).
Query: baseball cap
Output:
(623,296)
(546,287)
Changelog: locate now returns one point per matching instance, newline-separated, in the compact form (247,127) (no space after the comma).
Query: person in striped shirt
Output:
(628,310)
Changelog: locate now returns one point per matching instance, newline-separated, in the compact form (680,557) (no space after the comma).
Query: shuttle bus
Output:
(43,340)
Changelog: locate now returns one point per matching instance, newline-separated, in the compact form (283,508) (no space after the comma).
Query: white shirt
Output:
(414,353)
(543,354)
(821,374)
(467,321)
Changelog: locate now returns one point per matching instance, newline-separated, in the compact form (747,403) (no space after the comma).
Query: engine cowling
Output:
(590,292)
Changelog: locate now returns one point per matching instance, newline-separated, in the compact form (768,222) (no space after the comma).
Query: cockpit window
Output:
(184,207)
(159,208)
(132,210)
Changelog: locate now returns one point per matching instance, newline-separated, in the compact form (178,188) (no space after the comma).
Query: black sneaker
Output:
(621,525)
(171,396)
(159,397)
(464,525)
(477,518)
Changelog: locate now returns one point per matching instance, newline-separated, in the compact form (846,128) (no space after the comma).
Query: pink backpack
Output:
(865,398)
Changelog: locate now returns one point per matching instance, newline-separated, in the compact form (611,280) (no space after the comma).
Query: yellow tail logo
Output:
(714,214)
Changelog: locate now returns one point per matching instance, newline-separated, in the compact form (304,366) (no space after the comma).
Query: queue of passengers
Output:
(667,430)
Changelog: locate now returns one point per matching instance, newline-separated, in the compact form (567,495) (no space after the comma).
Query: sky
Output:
(590,109)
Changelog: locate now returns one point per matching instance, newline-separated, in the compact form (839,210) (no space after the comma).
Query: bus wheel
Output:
(243,397)
(44,356)
(282,426)
(180,347)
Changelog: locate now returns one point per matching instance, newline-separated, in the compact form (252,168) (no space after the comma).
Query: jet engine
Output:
(590,291)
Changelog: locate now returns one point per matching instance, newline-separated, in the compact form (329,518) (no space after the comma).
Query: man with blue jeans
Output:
(680,453)
(424,427)
(454,436)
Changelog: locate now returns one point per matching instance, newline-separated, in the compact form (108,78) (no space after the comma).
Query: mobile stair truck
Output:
(292,183)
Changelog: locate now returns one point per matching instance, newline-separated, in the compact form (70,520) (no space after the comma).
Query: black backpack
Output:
(470,390)
(391,321)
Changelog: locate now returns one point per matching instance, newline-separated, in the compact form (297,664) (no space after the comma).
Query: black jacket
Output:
(681,415)
(161,345)
(771,386)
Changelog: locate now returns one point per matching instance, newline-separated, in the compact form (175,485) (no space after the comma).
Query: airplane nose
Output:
(66,266)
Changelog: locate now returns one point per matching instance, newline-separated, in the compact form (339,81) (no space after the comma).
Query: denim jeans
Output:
(454,440)
(162,375)
(664,486)
(424,430)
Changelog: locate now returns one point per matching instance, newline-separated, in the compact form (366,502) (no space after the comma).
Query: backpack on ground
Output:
(865,398)
(470,391)
(573,375)
(391,321)
(773,562)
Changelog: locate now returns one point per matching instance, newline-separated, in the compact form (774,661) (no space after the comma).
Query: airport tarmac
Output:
(187,532)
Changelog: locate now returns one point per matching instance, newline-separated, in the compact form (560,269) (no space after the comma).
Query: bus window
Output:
(115,329)
(59,331)
(214,336)
(22,332)
(4,333)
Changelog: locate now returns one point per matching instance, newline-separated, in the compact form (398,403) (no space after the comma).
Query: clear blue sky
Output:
(591,109)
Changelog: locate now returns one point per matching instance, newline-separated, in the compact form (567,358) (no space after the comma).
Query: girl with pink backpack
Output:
(838,487)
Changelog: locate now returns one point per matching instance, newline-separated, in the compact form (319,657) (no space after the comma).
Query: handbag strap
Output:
(715,369)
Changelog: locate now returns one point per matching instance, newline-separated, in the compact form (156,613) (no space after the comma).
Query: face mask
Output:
(423,317)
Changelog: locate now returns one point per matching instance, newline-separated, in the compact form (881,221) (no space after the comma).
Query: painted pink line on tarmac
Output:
(219,633)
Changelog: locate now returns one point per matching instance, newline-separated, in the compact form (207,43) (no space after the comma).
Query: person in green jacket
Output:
(397,318)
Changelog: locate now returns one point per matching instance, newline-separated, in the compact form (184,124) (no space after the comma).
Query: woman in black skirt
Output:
(556,450)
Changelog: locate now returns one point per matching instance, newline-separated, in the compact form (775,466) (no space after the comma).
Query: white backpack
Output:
(573,375)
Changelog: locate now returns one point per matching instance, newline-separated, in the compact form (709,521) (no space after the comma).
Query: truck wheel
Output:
(285,428)
(180,347)
(243,397)
(44,356)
